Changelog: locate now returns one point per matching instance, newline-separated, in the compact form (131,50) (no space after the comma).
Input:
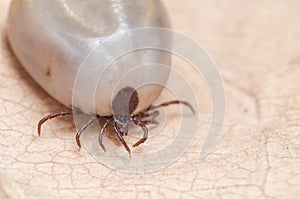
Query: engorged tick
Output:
(71,45)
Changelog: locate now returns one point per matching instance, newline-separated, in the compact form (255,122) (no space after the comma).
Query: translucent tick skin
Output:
(52,38)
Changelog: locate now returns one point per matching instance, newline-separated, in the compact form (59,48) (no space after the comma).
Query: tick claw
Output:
(78,142)
(103,147)
(139,142)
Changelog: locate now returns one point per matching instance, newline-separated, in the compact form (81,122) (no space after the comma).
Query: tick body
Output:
(52,38)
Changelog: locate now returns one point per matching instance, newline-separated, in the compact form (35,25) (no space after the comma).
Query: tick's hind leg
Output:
(89,123)
(51,116)
(145,129)
(172,102)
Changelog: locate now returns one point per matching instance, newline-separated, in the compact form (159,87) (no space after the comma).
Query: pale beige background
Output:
(256,46)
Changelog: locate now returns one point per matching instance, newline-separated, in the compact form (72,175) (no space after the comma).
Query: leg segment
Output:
(89,123)
(145,129)
(100,138)
(149,115)
(173,102)
(148,122)
(121,138)
(51,116)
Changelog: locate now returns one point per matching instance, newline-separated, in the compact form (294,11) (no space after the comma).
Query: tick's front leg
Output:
(147,117)
(145,129)
(119,134)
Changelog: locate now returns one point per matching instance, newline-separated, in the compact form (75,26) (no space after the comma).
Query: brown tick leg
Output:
(149,114)
(89,123)
(51,116)
(145,129)
(149,122)
(100,138)
(121,138)
(173,102)
(150,117)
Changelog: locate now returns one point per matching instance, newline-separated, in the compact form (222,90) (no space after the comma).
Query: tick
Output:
(51,39)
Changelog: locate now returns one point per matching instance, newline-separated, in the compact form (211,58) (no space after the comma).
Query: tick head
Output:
(122,123)
(123,105)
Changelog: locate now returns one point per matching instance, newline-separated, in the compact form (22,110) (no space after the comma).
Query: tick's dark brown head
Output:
(123,105)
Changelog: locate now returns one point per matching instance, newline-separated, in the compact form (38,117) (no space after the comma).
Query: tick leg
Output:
(89,123)
(148,122)
(145,129)
(151,115)
(100,138)
(51,116)
(173,102)
(121,138)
